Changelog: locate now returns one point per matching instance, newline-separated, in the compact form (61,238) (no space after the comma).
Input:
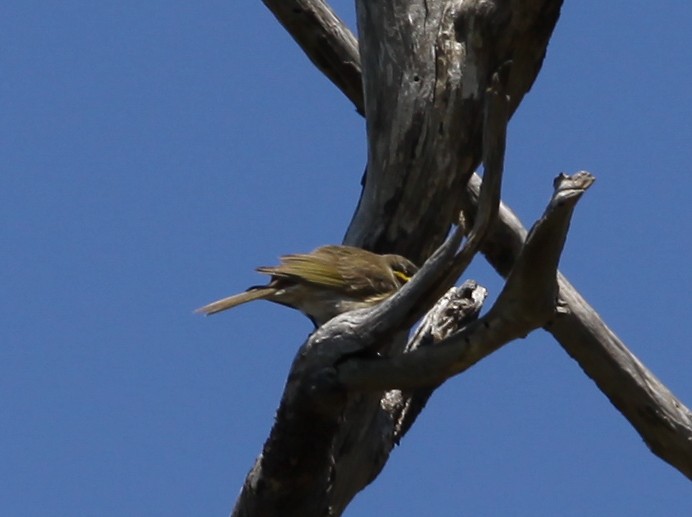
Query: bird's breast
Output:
(320,305)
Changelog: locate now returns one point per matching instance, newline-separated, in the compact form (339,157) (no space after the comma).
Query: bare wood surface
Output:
(459,307)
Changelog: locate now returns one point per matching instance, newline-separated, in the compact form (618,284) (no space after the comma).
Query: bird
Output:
(326,282)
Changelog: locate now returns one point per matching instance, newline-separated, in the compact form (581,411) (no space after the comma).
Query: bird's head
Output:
(402,268)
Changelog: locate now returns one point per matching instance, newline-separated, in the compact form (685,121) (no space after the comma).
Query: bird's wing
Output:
(332,267)
(375,283)
(379,280)
(307,268)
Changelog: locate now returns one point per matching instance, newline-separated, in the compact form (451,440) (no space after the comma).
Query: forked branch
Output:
(662,420)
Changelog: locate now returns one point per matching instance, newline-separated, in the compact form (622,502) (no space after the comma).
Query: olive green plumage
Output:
(326,282)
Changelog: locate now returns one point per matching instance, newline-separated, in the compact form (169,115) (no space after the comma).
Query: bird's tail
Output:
(254,293)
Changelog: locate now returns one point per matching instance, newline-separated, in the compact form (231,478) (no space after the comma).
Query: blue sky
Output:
(154,153)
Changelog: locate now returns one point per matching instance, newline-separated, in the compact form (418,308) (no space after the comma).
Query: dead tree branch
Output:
(658,416)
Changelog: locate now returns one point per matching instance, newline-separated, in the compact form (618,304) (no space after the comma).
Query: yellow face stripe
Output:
(402,276)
